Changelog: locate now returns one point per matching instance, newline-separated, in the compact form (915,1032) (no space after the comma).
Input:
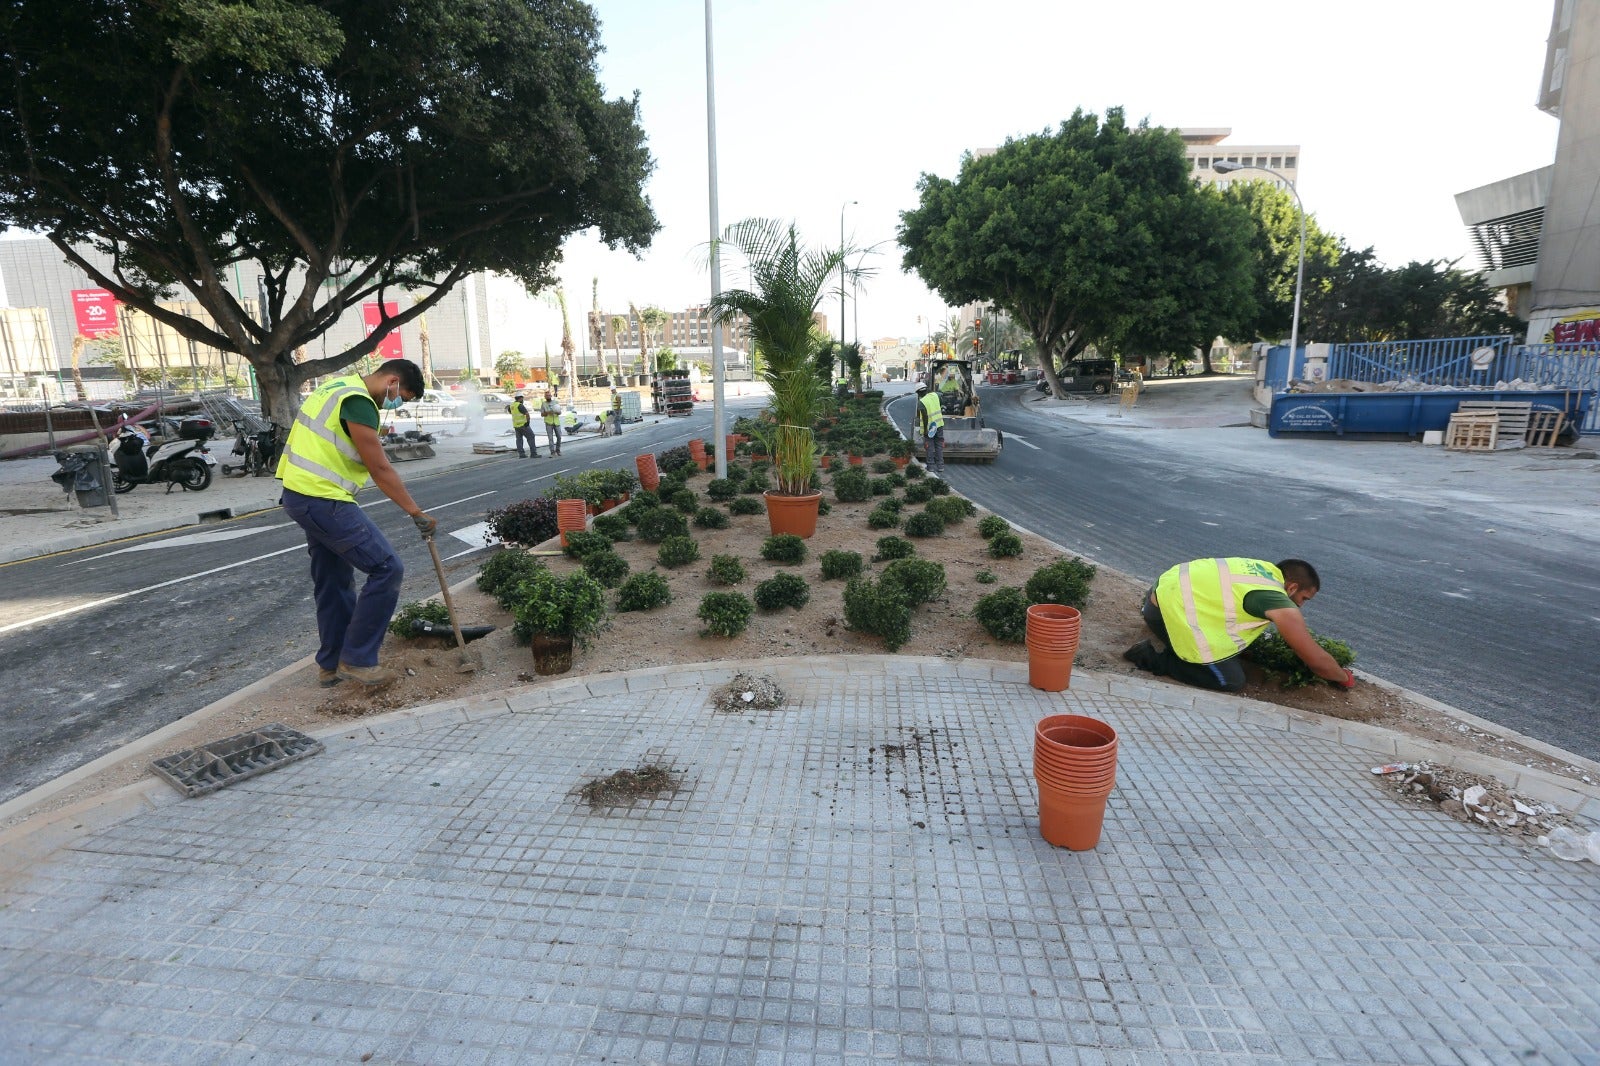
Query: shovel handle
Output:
(444,589)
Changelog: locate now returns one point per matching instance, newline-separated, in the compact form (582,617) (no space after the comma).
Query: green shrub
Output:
(642,501)
(657,525)
(725,570)
(922,579)
(783,548)
(850,485)
(1065,581)
(837,564)
(419,610)
(894,548)
(744,505)
(883,466)
(896,480)
(722,489)
(685,501)
(572,606)
(915,472)
(1005,544)
(880,486)
(581,543)
(643,592)
(711,518)
(882,518)
(606,567)
(1004,614)
(725,614)
(824,508)
(526,522)
(1285,667)
(613,527)
(677,551)
(755,483)
(921,492)
(504,569)
(879,608)
(924,524)
(675,459)
(782,590)
(939,485)
(991,525)
(985,577)
(891,503)
(951,510)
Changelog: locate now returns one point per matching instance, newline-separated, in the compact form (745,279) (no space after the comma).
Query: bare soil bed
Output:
(672,635)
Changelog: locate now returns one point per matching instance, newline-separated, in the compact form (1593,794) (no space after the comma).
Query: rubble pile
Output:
(747,692)
(1411,385)
(1470,798)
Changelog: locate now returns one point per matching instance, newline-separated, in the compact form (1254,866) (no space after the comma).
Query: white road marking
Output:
(212,537)
(473,534)
(541,477)
(1022,441)
(464,499)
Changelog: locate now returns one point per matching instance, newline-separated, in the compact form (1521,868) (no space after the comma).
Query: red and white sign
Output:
(390,346)
(95,312)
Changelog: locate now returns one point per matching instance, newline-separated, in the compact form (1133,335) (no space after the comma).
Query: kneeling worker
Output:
(1207,612)
(332,450)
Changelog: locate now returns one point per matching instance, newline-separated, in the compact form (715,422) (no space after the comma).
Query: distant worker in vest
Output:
(1208,611)
(930,421)
(332,450)
(522,426)
(616,412)
(550,411)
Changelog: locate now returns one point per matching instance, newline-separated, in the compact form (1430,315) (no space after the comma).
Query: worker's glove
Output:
(426,523)
(1349,680)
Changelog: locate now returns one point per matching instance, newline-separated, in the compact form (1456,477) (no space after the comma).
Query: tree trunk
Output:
(427,351)
(1205,359)
(77,374)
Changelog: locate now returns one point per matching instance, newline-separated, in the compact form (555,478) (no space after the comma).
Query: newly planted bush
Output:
(879,608)
(526,522)
(851,485)
(606,567)
(880,486)
(890,503)
(613,527)
(710,518)
(883,466)
(922,579)
(992,524)
(674,459)
(985,577)
(725,614)
(755,483)
(722,489)
(1005,544)
(882,518)
(783,548)
(643,592)
(419,611)
(951,510)
(677,551)
(1065,581)
(921,492)
(685,501)
(572,606)
(782,590)
(1279,660)
(896,480)
(1004,614)
(915,472)
(894,548)
(660,523)
(924,524)
(940,486)
(504,569)
(725,570)
(837,564)
(581,543)
(744,505)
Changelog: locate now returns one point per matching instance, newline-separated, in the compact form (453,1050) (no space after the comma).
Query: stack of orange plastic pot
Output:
(572,516)
(697,452)
(649,473)
(1052,640)
(1075,767)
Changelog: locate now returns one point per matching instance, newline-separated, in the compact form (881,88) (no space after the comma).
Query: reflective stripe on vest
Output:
(930,404)
(1202,604)
(519,414)
(550,413)
(319,458)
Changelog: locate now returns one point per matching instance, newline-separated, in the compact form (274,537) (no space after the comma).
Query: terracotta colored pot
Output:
(551,654)
(606,505)
(793,514)
(697,448)
(1048,724)
(1068,821)
(571,517)
(855,460)
(1049,671)
(900,461)
(1053,618)
(703,461)
(649,473)
(730,442)
(825,461)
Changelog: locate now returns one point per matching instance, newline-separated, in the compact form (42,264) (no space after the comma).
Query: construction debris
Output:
(1470,798)
(748,692)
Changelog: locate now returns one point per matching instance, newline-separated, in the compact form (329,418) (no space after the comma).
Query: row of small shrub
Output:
(1004,612)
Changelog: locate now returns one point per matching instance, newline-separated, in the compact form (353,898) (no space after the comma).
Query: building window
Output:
(1289,162)
(1277,160)
(1205,163)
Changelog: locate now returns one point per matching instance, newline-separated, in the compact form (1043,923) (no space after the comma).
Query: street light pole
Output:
(847,203)
(1222,166)
(718,370)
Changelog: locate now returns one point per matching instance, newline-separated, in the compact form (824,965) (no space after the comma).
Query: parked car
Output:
(1098,376)
(433,404)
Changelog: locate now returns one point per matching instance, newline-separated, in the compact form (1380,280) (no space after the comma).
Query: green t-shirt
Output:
(358,409)
(1260,601)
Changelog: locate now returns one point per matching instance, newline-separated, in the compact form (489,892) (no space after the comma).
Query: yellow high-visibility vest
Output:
(930,404)
(319,458)
(519,414)
(550,412)
(1202,603)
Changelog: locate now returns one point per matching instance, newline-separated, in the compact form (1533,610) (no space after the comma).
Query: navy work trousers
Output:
(341,539)
(1224,675)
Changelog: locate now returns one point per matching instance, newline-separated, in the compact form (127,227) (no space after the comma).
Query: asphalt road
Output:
(104,645)
(1504,629)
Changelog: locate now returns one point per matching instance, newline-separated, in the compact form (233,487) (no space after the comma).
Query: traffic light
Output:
(977,336)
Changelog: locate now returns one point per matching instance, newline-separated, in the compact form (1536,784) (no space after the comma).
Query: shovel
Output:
(469,658)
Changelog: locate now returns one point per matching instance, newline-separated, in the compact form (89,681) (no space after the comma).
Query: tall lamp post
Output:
(1222,166)
(847,203)
(718,371)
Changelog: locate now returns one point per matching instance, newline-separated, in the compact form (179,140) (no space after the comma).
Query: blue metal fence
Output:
(1449,362)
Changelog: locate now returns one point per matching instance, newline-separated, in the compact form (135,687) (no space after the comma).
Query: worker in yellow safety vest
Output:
(930,420)
(1208,611)
(332,450)
(521,426)
(550,411)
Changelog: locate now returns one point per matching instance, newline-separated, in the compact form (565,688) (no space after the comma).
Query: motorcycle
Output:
(178,457)
(259,452)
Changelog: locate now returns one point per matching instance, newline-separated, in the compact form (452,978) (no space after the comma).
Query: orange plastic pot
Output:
(1053,619)
(1100,786)
(900,461)
(1049,671)
(729,443)
(1046,729)
(1070,821)
(571,517)
(855,460)
(697,448)
(702,461)
(649,473)
(793,514)
(825,461)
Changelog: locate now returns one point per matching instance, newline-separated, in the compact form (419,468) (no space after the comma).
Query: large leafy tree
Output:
(1064,230)
(344,151)
(1275,245)
(1366,301)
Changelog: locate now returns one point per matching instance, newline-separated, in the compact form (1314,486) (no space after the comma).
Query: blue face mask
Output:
(394,402)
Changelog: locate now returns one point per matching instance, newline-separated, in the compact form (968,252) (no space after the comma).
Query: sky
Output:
(830,107)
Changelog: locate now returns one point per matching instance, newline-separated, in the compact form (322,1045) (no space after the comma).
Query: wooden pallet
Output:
(1473,432)
(1513,419)
(1544,427)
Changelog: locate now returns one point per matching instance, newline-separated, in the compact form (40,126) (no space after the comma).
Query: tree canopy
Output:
(1366,301)
(345,151)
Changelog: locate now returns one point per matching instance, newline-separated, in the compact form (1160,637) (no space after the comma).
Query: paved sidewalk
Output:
(856,875)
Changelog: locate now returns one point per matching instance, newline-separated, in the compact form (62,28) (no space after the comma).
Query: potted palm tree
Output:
(787,282)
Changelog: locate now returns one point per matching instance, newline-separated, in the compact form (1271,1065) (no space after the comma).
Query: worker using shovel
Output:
(1208,611)
(332,451)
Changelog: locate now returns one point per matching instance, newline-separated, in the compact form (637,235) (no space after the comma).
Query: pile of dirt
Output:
(1474,798)
(627,787)
(748,692)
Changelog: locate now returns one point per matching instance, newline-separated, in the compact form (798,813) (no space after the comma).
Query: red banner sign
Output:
(95,311)
(390,346)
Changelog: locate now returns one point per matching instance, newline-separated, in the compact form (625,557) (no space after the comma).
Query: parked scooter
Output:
(178,457)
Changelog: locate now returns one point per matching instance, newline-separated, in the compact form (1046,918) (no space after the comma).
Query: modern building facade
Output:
(1204,148)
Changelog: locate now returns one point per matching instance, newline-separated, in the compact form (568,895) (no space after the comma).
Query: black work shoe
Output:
(1143,655)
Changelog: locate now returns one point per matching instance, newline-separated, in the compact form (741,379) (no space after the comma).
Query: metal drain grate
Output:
(196,771)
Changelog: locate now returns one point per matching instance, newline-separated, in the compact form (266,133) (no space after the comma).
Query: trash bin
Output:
(84,470)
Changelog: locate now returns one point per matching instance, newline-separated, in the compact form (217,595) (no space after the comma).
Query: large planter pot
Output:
(1075,768)
(793,514)
(552,654)
(649,473)
(572,516)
